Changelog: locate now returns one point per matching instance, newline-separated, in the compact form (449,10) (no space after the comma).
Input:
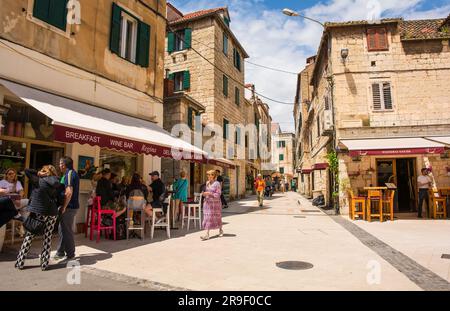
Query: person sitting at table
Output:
(158,190)
(105,191)
(12,186)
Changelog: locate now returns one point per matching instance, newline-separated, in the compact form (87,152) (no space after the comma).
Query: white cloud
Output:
(275,40)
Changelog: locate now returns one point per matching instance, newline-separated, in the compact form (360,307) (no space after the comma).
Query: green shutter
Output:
(225,85)
(115,29)
(143,45)
(225,44)
(237,96)
(186,80)
(238,133)
(170,42)
(281,157)
(227,21)
(234,57)
(238,61)
(41,10)
(225,129)
(187,38)
(58,13)
(171,76)
(189,117)
(53,12)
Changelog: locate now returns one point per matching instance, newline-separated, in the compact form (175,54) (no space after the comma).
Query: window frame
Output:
(125,18)
(381,85)
(225,85)
(180,76)
(179,41)
(225,44)
(377,47)
(30,17)
(237,96)
(226,135)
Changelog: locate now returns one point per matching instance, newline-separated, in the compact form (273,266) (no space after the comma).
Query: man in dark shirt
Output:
(71,182)
(157,188)
(104,187)
(222,197)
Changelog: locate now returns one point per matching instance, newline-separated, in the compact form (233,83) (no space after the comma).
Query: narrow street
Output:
(337,255)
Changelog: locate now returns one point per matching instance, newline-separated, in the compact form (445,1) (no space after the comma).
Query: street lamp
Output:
(290,12)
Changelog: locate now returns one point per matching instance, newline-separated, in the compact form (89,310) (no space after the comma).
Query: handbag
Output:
(34,225)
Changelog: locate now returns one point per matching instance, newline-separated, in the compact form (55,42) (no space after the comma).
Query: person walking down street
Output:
(212,209)
(42,207)
(424,182)
(69,209)
(222,197)
(180,188)
(260,186)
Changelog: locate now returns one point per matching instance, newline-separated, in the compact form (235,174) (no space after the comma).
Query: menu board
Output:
(226,187)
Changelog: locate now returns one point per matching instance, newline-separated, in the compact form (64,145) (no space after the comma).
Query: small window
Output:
(225,44)
(53,12)
(246,140)
(281,157)
(318,126)
(281,170)
(190,117)
(382,96)
(181,80)
(179,40)
(236,59)
(225,128)
(128,37)
(237,140)
(281,144)
(225,85)
(377,39)
(237,96)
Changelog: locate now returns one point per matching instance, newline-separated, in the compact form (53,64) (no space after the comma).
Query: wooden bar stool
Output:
(375,196)
(388,205)
(438,205)
(357,206)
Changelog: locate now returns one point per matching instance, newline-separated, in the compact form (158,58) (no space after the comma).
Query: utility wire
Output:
(249,62)
(231,78)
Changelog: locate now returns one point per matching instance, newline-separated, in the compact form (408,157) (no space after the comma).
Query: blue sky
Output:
(275,40)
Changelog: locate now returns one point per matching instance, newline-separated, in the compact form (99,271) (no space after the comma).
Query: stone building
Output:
(205,61)
(283,153)
(83,78)
(381,98)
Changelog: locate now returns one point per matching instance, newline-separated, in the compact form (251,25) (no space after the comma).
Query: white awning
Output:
(75,121)
(392,146)
(440,139)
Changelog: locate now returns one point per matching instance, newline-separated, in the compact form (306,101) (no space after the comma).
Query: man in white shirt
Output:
(424,183)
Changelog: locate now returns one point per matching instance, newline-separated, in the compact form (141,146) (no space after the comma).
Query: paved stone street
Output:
(343,255)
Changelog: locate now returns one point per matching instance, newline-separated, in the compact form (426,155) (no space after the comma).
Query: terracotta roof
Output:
(423,29)
(361,23)
(197,14)
(446,22)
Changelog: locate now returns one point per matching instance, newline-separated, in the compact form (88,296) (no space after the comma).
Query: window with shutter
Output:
(225,85)
(186,80)
(377,39)
(189,117)
(143,45)
(187,38)
(281,157)
(382,96)
(170,42)
(225,44)
(53,12)
(225,128)
(237,96)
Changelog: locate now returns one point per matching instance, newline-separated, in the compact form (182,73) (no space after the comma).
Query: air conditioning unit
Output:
(328,125)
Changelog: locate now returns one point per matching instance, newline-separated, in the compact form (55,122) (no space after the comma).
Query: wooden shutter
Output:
(170,42)
(238,60)
(172,76)
(281,157)
(225,85)
(234,57)
(116,17)
(189,117)
(225,129)
(143,45)
(41,10)
(387,96)
(238,135)
(376,94)
(377,39)
(186,80)
(58,13)
(237,96)
(187,38)
(225,44)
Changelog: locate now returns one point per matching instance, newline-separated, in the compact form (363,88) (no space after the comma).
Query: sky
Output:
(275,40)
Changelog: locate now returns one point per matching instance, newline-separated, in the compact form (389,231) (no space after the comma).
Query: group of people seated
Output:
(115,195)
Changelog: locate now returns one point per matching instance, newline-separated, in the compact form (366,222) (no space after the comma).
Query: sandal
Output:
(221,233)
(204,238)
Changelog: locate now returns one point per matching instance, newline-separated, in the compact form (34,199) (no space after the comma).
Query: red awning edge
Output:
(434,150)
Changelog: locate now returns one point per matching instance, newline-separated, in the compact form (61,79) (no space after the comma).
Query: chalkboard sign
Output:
(226,187)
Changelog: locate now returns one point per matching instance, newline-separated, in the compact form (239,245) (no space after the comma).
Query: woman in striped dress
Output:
(212,208)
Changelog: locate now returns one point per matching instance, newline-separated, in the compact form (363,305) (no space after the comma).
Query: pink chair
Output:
(96,219)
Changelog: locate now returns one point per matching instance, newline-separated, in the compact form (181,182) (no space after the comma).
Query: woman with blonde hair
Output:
(180,188)
(212,208)
(43,209)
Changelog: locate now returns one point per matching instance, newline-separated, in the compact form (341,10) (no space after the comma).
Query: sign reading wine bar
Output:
(71,135)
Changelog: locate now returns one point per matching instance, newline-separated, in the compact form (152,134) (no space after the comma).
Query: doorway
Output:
(45,155)
(402,173)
